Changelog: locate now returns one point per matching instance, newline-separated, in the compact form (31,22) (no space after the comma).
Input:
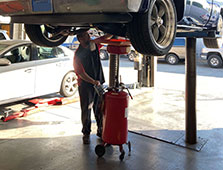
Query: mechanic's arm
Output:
(100,39)
(84,76)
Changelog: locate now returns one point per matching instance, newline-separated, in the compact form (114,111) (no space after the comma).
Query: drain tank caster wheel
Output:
(100,150)
(121,157)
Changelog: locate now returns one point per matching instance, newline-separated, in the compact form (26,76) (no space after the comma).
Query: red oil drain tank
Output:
(115,124)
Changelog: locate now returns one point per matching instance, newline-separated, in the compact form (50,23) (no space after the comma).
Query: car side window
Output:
(46,52)
(18,54)
(197,4)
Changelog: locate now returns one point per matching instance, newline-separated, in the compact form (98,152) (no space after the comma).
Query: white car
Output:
(28,70)
(214,57)
(4,35)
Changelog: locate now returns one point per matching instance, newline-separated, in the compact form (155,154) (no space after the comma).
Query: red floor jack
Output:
(10,114)
(115,111)
(38,103)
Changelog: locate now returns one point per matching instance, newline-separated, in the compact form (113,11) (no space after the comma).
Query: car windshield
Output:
(3,46)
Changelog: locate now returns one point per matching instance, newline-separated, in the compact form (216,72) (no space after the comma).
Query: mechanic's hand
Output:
(97,83)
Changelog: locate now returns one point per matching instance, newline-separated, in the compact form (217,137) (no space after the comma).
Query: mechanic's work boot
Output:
(99,133)
(86,139)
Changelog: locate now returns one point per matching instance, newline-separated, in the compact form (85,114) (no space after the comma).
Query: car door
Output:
(179,47)
(18,78)
(48,71)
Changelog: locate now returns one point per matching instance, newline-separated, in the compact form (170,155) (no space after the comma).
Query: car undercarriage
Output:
(151,25)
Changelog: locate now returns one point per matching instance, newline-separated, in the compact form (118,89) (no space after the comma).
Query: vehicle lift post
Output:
(146,77)
(148,71)
(190,91)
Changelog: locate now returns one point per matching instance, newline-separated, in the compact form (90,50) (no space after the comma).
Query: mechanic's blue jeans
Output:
(89,100)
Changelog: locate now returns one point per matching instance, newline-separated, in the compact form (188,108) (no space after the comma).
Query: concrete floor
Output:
(51,139)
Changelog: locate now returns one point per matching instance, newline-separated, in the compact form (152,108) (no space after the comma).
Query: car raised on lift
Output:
(151,25)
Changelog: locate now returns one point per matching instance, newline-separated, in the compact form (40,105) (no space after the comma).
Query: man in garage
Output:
(87,66)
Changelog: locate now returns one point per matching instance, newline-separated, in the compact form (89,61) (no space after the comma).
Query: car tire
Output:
(153,32)
(215,42)
(49,37)
(69,85)
(172,59)
(215,61)
(103,54)
(132,55)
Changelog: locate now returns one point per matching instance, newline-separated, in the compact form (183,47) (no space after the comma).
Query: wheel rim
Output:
(214,62)
(172,59)
(52,34)
(162,23)
(70,84)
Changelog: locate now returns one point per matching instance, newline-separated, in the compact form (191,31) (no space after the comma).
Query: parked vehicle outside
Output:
(151,25)
(214,57)
(176,54)
(4,35)
(28,70)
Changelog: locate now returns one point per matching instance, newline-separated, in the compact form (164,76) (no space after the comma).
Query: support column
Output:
(11,30)
(140,78)
(190,92)
(145,71)
(153,66)
(18,32)
(148,70)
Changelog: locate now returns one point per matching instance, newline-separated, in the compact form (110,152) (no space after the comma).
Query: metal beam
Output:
(199,34)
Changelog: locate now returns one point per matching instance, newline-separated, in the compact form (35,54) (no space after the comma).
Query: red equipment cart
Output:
(115,123)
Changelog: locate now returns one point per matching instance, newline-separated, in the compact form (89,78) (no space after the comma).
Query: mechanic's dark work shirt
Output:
(88,61)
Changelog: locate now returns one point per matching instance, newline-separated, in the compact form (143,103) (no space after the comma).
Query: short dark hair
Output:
(80,35)
(81,32)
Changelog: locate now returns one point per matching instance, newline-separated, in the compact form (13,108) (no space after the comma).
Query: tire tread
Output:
(35,35)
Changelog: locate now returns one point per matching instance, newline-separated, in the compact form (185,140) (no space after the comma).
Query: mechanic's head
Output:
(83,38)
